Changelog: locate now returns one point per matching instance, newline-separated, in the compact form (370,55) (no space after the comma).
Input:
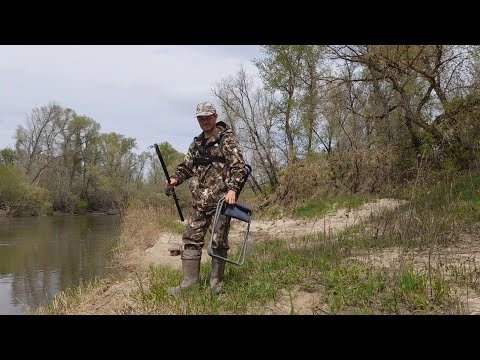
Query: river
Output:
(41,256)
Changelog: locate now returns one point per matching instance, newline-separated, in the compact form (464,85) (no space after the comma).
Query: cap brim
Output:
(205,113)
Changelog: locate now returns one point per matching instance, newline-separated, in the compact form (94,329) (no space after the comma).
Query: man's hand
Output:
(169,187)
(231,197)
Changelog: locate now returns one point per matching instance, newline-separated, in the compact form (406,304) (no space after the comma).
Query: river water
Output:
(41,256)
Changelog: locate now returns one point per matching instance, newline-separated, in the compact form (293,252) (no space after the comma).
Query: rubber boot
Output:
(191,272)
(218,271)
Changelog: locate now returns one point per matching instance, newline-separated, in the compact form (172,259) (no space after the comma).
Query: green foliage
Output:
(12,188)
(19,197)
(78,205)
(11,183)
(171,156)
(115,146)
(37,199)
(7,156)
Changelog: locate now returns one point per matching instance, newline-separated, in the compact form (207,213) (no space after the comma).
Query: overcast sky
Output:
(145,92)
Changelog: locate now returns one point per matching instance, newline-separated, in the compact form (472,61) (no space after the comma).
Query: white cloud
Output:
(145,92)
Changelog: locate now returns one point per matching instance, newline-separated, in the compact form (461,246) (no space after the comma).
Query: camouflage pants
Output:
(200,221)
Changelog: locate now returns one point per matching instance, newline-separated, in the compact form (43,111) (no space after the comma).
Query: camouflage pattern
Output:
(194,235)
(205,109)
(209,183)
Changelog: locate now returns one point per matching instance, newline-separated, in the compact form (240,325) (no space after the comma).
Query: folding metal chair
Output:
(239,212)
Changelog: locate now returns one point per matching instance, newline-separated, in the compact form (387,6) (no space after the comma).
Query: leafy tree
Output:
(7,156)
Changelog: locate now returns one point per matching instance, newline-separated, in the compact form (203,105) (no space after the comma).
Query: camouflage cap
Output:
(205,109)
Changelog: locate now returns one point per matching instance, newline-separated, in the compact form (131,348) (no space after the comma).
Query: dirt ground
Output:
(116,296)
(259,231)
(460,258)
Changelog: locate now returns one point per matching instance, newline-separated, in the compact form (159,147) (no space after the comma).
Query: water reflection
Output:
(40,256)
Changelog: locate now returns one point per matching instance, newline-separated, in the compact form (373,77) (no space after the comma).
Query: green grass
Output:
(270,267)
(321,207)
(460,195)
(436,215)
(469,189)
(275,268)
(280,267)
(363,289)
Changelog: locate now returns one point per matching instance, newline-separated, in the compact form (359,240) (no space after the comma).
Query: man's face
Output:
(207,123)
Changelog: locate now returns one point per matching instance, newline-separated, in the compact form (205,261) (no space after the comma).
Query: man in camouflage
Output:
(216,167)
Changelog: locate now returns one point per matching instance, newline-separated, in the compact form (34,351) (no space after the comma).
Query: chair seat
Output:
(237,211)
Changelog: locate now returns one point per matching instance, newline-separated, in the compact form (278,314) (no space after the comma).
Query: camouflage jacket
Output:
(211,181)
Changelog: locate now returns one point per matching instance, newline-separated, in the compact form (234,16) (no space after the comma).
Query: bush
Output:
(304,180)
(17,197)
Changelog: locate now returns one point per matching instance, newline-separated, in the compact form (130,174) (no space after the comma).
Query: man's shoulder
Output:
(222,126)
(196,140)
(229,140)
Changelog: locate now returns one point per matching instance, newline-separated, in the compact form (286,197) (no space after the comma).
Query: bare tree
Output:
(250,114)
(35,142)
(431,86)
